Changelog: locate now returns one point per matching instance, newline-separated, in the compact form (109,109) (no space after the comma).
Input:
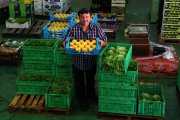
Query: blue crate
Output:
(69,50)
(95,19)
(52,17)
(52,34)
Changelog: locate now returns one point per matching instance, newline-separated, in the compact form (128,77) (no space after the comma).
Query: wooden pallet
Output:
(35,30)
(27,102)
(113,116)
(33,103)
(169,41)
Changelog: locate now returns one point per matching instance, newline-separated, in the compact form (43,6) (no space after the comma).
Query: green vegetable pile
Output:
(18,20)
(148,97)
(113,59)
(47,43)
(60,87)
(30,77)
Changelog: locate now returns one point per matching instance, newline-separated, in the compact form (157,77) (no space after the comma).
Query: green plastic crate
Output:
(61,58)
(58,101)
(62,71)
(117,105)
(31,87)
(130,77)
(38,66)
(36,48)
(117,90)
(151,108)
(47,72)
(128,58)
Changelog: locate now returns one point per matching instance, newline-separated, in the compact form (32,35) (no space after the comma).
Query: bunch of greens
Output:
(39,43)
(60,87)
(113,59)
(148,97)
(18,20)
(31,77)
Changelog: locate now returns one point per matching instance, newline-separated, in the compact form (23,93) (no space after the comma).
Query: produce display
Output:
(113,59)
(170,35)
(60,86)
(171,28)
(83,45)
(172,0)
(57,26)
(171,20)
(174,6)
(172,14)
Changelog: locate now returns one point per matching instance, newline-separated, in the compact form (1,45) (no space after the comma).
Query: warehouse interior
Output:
(136,12)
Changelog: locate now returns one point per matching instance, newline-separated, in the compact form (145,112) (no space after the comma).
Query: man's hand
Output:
(63,43)
(102,43)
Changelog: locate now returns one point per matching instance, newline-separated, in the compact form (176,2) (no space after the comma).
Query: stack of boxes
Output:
(117,93)
(38,5)
(118,6)
(139,38)
(20,13)
(47,7)
(21,8)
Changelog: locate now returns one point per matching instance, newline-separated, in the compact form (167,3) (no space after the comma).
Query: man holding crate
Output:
(84,65)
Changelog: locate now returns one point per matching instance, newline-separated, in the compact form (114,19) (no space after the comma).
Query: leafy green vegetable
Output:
(60,87)
(148,97)
(113,59)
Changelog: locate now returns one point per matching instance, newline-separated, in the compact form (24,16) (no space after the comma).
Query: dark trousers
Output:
(84,83)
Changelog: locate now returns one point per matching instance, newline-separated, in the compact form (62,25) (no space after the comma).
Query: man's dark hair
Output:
(84,11)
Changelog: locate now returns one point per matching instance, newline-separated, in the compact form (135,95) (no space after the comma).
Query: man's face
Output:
(85,19)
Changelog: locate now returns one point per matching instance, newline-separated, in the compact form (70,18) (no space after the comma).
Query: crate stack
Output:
(62,74)
(101,6)
(139,38)
(20,13)
(58,25)
(117,92)
(37,73)
(151,100)
(108,22)
(4,11)
(38,56)
(119,6)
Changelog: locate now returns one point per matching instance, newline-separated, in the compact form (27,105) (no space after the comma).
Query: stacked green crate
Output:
(117,91)
(22,8)
(62,63)
(59,94)
(33,84)
(151,100)
(38,56)
(62,72)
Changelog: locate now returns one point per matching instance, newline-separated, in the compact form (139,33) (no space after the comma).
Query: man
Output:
(84,66)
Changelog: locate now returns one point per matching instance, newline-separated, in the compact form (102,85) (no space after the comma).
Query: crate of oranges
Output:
(81,46)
